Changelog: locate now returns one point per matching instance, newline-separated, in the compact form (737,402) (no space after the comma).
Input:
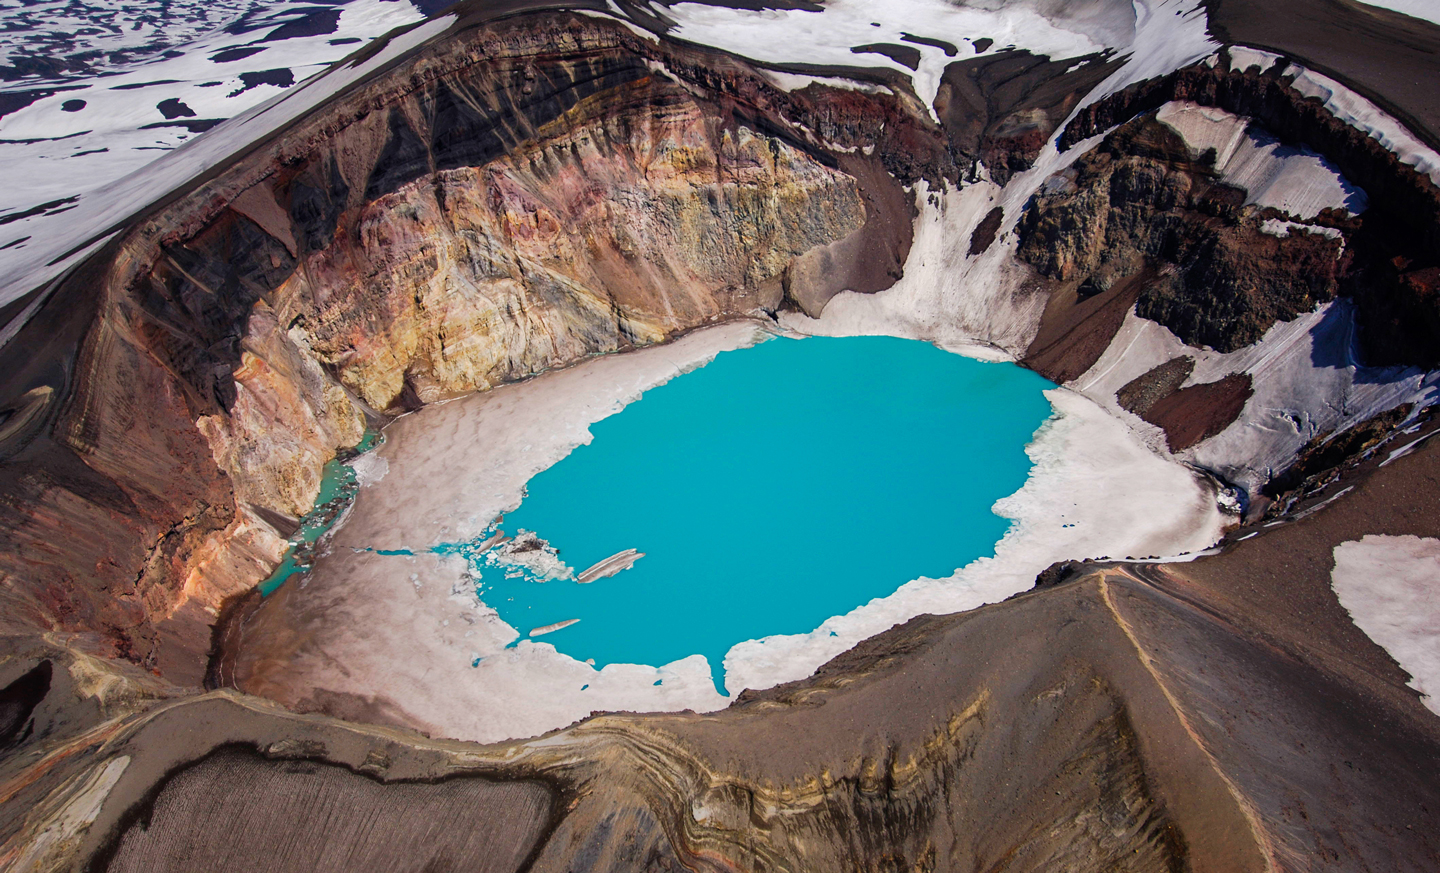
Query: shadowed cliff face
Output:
(1139,202)
(1000,110)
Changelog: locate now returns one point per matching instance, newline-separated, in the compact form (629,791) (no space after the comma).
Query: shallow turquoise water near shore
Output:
(337,492)
(777,487)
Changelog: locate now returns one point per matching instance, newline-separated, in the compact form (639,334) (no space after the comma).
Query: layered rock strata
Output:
(514,199)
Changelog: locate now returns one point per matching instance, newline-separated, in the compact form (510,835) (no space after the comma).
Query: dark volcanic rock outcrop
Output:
(1139,202)
(1392,250)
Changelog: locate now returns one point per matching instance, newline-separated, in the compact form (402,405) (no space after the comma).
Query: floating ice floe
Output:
(616,563)
(528,556)
(551,628)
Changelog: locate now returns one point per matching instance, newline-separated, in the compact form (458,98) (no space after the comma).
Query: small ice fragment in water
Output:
(610,566)
(549,628)
(527,555)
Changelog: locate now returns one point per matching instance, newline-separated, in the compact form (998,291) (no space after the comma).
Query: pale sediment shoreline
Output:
(410,631)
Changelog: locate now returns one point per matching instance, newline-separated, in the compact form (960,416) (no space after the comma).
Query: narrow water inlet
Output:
(338,488)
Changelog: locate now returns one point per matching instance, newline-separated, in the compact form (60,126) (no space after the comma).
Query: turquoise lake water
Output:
(774,488)
(337,491)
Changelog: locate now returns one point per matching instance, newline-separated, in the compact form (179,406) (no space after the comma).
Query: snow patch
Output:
(801,36)
(981,305)
(87,224)
(1306,376)
(1426,10)
(1360,113)
(1389,584)
(1277,227)
(1242,59)
(1169,34)
(51,151)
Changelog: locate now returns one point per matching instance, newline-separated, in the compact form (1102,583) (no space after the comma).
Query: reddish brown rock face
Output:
(1190,414)
(596,236)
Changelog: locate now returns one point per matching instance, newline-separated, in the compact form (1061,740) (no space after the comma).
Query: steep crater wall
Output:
(525,193)
(513,199)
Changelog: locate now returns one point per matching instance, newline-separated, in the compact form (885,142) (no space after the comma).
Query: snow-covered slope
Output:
(1428,10)
(38,253)
(94,92)
(1296,181)
(849,33)
(1388,584)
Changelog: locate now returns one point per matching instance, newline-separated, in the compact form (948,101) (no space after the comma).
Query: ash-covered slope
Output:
(1230,251)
